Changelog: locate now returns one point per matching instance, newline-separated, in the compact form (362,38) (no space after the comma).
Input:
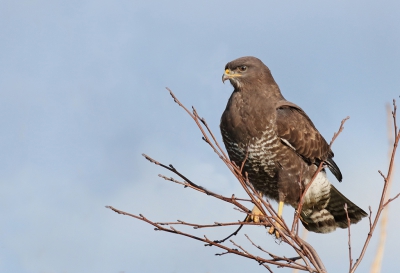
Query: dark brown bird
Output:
(283,146)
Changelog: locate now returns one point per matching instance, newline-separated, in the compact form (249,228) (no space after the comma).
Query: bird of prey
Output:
(282,147)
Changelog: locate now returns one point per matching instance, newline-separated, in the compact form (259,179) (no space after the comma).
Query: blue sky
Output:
(82,96)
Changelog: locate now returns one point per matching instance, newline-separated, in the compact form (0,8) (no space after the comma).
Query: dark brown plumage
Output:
(283,146)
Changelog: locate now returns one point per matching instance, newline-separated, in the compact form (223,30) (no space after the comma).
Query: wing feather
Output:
(295,128)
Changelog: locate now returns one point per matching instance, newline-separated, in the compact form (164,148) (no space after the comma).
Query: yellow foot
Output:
(272,230)
(254,216)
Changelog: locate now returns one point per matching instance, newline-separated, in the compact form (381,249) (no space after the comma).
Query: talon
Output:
(254,216)
(272,230)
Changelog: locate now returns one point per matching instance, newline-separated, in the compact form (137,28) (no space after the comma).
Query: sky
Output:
(82,96)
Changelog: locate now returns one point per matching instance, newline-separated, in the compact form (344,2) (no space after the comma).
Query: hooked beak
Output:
(229,75)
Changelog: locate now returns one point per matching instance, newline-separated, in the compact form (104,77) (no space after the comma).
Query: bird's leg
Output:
(272,229)
(255,214)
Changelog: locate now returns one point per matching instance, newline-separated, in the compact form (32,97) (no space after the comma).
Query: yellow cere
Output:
(227,71)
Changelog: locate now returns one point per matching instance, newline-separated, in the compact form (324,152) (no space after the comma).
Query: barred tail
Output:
(333,215)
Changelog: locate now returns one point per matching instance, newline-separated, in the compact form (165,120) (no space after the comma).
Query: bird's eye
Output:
(243,68)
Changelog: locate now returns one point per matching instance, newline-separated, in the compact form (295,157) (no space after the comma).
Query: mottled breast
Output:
(260,164)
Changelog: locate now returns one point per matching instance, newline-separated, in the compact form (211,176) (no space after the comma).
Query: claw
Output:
(254,216)
(272,229)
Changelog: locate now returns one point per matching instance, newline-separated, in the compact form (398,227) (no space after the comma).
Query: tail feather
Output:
(333,215)
(336,208)
(334,169)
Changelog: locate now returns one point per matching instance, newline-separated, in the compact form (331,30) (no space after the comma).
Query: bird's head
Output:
(246,70)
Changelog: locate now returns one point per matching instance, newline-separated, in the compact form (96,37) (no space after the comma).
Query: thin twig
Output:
(173,230)
(382,202)
(390,200)
(232,234)
(278,258)
(194,185)
(349,235)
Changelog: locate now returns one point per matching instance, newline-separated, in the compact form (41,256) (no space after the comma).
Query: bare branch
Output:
(232,234)
(383,176)
(335,135)
(349,241)
(306,253)
(189,183)
(382,203)
(390,200)
(370,217)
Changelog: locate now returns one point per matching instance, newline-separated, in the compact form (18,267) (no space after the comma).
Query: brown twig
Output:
(198,188)
(295,224)
(370,217)
(390,200)
(303,236)
(173,230)
(189,183)
(232,234)
(378,257)
(349,235)
(199,226)
(278,258)
(382,203)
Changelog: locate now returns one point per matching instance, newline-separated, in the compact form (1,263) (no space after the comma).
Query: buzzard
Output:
(282,147)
